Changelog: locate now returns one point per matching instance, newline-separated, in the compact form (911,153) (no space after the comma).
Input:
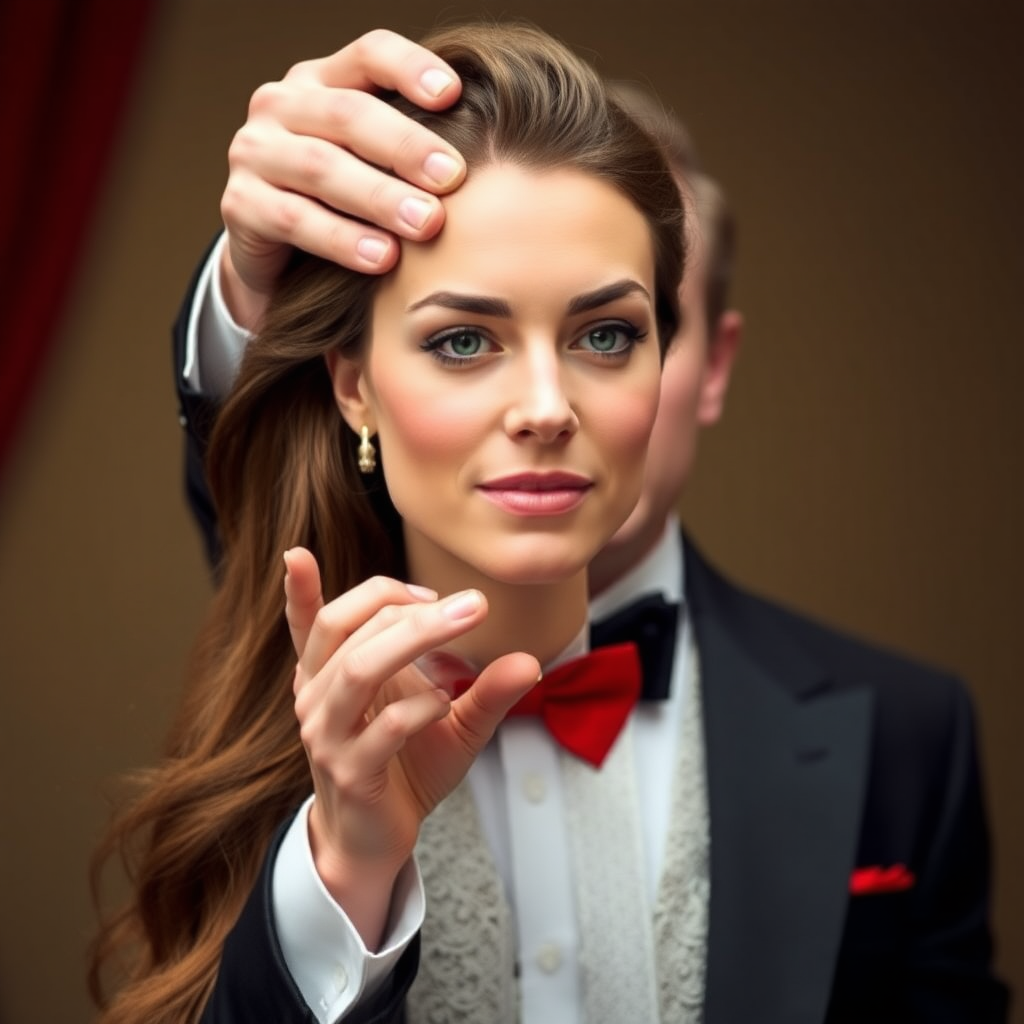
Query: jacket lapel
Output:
(787,760)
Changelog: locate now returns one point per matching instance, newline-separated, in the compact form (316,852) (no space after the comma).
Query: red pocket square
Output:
(864,881)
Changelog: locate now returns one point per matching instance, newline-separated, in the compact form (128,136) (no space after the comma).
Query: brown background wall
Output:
(869,467)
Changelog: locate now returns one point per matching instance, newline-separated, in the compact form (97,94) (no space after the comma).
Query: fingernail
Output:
(371,248)
(441,169)
(414,211)
(434,81)
(461,606)
(421,593)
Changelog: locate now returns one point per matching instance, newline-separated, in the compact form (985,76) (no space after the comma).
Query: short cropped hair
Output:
(715,217)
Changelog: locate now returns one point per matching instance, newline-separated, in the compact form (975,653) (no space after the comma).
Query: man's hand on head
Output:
(323,164)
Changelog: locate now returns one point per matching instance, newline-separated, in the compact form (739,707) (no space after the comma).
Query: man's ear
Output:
(723,347)
(349,386)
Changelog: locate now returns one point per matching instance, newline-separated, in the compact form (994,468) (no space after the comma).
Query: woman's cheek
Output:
(425,442)
(629,432)
(638,415)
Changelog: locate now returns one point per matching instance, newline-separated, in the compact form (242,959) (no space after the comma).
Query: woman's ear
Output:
(349,386)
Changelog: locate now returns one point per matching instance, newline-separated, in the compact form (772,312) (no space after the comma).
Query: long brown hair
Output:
(282,470)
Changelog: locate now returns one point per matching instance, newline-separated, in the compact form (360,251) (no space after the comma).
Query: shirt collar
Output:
(659,571)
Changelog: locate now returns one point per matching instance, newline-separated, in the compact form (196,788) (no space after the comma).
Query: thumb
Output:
(479,711)
(303,596)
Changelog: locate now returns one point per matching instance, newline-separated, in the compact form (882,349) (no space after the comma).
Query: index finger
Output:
(382,59)
(303,595)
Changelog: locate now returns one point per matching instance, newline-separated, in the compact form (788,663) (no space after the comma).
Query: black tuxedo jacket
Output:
(825,757)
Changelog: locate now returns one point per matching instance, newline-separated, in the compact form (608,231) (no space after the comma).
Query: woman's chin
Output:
(534,572)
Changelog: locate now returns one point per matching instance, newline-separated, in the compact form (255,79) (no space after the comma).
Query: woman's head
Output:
(510,375)
(532,119)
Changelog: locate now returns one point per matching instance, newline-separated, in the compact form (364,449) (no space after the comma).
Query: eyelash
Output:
(433,346)
(634,336)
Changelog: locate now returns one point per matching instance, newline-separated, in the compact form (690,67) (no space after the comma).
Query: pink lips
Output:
(537,494)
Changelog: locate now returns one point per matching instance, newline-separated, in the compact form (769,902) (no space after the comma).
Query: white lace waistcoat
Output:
(467,968)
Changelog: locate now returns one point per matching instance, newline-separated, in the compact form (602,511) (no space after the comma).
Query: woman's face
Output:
(511,376)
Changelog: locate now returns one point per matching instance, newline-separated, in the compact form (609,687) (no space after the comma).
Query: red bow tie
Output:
(585,702)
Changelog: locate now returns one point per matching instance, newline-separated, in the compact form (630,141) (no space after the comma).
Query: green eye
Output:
(604,339)
(466,343)
(460,347)
(615,338)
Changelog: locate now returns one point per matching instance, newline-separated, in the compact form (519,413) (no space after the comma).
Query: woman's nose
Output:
(540,406)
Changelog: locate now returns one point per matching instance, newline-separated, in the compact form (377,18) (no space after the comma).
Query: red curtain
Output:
(66,69)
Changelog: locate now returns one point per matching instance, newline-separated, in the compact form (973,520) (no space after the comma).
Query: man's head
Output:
(700,357)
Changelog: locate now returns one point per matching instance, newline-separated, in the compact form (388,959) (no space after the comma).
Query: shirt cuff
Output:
(331,966)
(214,343)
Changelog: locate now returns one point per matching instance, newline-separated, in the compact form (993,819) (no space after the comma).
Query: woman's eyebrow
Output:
(483,305)
(605,294)
(486,305)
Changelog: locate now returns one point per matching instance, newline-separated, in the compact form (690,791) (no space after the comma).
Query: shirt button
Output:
(549,958)
(340,978)
(535,788)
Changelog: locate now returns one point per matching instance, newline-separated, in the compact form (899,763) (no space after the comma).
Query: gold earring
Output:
(366,453)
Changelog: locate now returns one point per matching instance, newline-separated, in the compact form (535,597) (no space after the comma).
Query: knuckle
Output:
(382,199)
(284,215)
(232,204)
(307,704)
(344,778)
(324,618)
(309,734)
(245,146)
(312,161)
(410,148)
(377,37)
(469,731)
(239,147)
(391,722)
(423,618)
(344,107)
(355,669)
(336,239)
(369,43)
(264,99)
(300,69)
(383,589)
(389,615)
(327,622)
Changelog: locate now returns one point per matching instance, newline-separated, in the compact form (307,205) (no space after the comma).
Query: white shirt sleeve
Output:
(331,966)
(213,341)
